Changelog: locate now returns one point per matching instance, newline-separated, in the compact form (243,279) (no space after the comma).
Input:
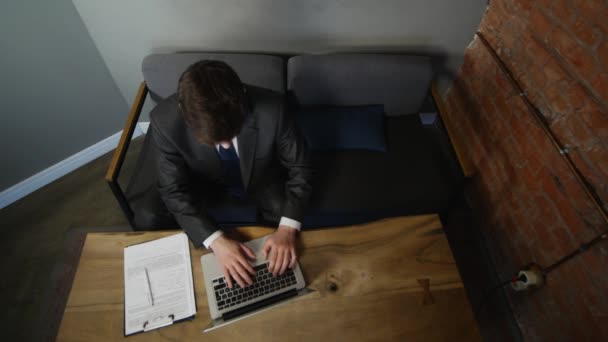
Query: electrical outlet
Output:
(529,278)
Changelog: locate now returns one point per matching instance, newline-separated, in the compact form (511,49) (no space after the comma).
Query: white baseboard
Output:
(144,126)
(44,177)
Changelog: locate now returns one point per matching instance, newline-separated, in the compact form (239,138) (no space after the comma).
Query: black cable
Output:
(583,247)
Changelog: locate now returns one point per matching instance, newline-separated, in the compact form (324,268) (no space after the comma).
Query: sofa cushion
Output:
(400,82)
(162,71)
(412,177)
(343,128)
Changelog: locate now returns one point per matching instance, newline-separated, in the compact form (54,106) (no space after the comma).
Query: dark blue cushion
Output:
(343,128)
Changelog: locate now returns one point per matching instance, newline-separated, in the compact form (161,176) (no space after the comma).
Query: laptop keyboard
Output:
(263,283)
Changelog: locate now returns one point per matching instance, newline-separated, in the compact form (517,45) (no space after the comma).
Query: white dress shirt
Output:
(285,221)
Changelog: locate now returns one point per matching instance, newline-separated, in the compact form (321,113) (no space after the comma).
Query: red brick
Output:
(561,41)
(561,129)
(497,164)
(522,6)
(522,252)
(547,211)
(548,249)
(519,24)
(513,151)
(602,54)
(544,4)
(508,38)
(476,149)
(486,103)
(576,95)
(537,98)
(525,193)
(593,261)
(542,139)
(595,299)
(503,129)
(600,85)
(501,104)
(522,131)
(581,134)
(491,23)
(540,25)
(496,16)
(579,199)
(590,172)
(512,202)
(549,153)
(528,231)
(556,100)
(523,199)
(582,61)
(553,71)
(567,212)
(537,52)
(533,81)
(595,117)
(595,10)
(564,239)
(598,154)
(518,164)
(562,11)
(566,291)
(586,33)
(467,66)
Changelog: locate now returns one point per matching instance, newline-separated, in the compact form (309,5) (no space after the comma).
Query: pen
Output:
(149,286)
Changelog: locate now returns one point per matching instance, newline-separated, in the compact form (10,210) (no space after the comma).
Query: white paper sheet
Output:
(166,292)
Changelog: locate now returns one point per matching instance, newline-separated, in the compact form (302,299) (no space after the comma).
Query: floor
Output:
(35,233)
(40,235)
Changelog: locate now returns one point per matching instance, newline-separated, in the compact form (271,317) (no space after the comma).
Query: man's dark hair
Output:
(211,98)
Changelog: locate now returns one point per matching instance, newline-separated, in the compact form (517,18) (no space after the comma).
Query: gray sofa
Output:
(413,176)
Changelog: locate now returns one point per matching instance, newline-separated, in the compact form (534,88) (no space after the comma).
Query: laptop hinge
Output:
(259,305)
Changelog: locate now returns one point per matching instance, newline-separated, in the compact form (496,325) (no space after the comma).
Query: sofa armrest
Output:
(449,126)
(121,150)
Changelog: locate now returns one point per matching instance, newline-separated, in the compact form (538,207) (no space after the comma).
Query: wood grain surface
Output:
(391,280)
(467,169)
(127,133)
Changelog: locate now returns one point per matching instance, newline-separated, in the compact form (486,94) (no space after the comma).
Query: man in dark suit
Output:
(218,135)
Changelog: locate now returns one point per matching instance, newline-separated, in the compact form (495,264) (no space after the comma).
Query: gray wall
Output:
(126,31)
(59,98)
(57,95)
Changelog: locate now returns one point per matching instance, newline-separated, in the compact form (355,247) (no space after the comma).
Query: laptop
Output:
(230,305)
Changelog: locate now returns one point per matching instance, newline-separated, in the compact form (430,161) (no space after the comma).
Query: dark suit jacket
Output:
(269,144)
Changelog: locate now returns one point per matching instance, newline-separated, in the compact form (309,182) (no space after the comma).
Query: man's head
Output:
(211,98)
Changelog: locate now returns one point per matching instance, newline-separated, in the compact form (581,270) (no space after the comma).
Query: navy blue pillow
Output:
(343,128)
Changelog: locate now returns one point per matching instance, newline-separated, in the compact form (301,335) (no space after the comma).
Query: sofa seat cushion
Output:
(350,187)
(358,186)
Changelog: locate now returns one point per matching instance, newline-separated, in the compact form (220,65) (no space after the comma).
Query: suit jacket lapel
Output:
(247,140)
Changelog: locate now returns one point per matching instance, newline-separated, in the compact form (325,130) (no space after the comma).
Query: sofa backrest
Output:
(399,82)
(162,71)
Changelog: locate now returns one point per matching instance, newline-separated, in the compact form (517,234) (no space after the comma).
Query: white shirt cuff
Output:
(208,241)
(285,221)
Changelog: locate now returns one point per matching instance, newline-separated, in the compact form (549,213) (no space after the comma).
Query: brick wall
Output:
(532,206)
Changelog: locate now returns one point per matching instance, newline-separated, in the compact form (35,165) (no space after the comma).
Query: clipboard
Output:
(159,289)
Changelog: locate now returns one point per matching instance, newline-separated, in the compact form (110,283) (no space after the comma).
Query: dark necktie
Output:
(231,171)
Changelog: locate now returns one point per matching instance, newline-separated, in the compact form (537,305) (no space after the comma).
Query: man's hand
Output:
(231,255)
(281,248)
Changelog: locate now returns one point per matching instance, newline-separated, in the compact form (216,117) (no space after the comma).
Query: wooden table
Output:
(391,280)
